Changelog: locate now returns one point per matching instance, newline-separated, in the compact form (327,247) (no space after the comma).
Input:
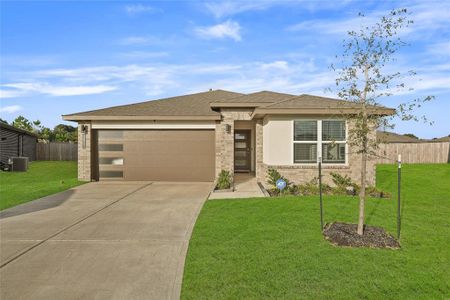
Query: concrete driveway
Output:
(107,240)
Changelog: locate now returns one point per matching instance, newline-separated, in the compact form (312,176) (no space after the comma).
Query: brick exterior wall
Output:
(84,154)
(303,174)
(225,140)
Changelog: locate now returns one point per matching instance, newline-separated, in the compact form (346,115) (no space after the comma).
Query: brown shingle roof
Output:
(391,137)
(259,97)
(311,101)
(187,105)
(308,104)
(199,106)
(442,139)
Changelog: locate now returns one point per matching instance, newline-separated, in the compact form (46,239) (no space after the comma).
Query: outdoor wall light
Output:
(84,131)
(227,128)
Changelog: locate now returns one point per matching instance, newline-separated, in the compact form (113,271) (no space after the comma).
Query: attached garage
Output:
(156,155)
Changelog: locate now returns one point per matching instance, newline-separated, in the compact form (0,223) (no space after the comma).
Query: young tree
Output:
(364,77)
(65,133)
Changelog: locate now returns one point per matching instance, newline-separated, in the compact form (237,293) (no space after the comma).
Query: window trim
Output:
(319,142)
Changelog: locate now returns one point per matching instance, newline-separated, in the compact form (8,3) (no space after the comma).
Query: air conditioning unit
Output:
(19,164)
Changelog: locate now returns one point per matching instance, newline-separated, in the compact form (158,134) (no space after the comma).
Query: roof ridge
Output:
(151,100)
(263,91)
(275,103)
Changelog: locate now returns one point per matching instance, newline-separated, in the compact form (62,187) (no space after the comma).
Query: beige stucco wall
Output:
(277,141)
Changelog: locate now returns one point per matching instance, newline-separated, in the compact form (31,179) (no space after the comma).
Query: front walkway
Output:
(245,186)
(103,240)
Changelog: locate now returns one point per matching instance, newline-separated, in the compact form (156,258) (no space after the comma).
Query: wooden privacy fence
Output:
(415,153)
(56,151)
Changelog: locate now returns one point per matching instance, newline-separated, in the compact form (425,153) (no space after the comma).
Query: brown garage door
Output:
(158,155)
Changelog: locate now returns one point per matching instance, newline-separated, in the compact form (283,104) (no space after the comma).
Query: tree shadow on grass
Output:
(372,212)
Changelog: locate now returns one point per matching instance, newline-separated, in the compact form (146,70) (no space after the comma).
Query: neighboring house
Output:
(391,137)
(194,137)
(16,142)
(442,139)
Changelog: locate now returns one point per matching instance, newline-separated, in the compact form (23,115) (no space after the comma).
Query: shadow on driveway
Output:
(37,205)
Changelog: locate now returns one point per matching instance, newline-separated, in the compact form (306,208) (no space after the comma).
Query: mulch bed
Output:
(343,234)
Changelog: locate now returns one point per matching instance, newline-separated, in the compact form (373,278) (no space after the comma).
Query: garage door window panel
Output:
(110,154)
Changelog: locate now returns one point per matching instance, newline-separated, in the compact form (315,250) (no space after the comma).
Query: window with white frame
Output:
(319,138)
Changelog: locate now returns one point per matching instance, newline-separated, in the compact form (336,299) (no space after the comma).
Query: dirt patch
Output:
(343,234)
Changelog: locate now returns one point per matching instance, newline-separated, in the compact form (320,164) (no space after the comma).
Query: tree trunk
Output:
(362,194)
(364,150)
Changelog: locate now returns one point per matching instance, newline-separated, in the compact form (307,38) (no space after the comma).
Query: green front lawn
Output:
(273,248)
(42,178)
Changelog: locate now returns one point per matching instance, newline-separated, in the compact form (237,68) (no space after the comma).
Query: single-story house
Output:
(15,142)
(193,137)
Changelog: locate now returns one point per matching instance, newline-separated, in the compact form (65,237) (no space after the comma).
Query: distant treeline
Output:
(60,133)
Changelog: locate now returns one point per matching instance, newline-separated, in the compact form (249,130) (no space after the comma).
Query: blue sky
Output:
(61,57)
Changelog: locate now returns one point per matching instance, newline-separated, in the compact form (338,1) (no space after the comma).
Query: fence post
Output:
(399,174)
(320,192)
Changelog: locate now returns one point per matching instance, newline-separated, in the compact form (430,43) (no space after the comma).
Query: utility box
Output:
(19,164)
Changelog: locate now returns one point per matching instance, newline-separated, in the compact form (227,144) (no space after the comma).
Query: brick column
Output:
(84,152)
(259,167)
(228,143)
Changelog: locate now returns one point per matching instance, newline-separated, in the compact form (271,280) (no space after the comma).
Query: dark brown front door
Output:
(242,152)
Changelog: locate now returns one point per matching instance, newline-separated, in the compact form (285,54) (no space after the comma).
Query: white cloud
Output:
(101,73)
(135,9)
(149,40)
(426,17)
(30,60)
(10,109)
(227,29)
(11,93)
(52,90)
(279,64)
(300,75)
(332,27)
(136,40)
(439,49)
(427,82)
(144,54)
(228,8)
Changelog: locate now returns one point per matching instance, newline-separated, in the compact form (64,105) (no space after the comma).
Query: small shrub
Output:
(312,188)
(224,180)
(273,176)
(343,186)
(377,193)
(342,181)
